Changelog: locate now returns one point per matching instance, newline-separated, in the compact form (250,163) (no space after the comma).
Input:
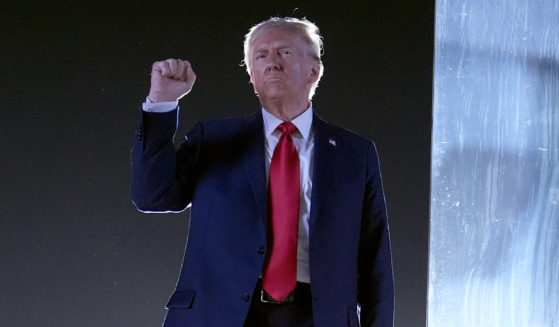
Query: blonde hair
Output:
(302,27)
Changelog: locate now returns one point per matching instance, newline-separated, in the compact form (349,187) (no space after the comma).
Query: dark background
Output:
(74,251)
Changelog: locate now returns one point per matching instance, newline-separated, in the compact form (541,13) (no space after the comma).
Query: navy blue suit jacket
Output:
(220,170)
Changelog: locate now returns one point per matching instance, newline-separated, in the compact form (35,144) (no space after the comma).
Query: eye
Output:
(260,56)
(285,52)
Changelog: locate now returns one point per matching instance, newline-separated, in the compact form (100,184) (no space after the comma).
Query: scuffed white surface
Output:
(494,242)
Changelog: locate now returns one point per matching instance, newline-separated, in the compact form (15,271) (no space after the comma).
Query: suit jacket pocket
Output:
(181,300)
(352,317)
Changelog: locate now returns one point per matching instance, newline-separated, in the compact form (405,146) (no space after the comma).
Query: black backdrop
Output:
(74,252)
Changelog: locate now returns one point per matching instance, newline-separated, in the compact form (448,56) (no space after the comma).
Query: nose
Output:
(273,62)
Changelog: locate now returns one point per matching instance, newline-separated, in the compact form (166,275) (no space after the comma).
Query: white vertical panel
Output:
(494,242)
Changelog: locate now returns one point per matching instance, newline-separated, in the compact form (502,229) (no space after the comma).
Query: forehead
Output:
(276,37)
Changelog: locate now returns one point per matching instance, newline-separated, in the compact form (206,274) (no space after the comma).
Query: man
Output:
(288,222)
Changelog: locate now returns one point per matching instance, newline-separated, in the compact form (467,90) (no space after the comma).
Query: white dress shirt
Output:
(159,106)
(303,139)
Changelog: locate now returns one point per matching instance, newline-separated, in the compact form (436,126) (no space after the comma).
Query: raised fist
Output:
(171,79)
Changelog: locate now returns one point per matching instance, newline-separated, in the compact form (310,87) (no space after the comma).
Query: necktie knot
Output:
(287,128)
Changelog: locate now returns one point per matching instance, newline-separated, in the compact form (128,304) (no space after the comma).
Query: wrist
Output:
(155,97)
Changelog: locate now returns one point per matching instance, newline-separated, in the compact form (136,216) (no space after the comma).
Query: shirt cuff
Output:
(160,107)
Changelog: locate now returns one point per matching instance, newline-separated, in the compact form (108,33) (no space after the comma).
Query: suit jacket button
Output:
(261,250)
(245,297)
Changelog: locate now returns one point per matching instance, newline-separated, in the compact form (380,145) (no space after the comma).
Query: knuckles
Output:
(174,68)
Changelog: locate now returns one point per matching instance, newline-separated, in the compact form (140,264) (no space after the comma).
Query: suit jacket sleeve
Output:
(376,286)
(163,179)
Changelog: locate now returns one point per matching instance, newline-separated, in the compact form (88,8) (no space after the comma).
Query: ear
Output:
(315,72)
(252,82)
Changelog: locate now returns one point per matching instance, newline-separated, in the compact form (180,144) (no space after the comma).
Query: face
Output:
(281,66)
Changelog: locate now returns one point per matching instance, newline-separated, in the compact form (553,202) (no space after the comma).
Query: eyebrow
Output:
(280,47)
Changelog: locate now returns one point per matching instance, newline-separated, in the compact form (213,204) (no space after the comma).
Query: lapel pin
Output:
(332,142)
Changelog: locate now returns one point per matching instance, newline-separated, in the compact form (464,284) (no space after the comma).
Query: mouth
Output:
(274,75)
(274,78)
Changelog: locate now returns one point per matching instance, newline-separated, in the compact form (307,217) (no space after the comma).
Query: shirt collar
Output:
(303,122)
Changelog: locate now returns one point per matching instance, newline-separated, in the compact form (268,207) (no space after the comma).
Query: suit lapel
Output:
(324,155)
(254,161)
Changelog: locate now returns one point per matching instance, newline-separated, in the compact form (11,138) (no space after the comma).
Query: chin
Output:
(272,93)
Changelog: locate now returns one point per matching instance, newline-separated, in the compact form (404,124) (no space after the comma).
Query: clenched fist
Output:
(171,79)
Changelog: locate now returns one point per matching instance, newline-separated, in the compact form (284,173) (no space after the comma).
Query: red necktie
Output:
(280,270)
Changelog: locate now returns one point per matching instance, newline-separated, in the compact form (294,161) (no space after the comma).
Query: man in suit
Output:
(288,221)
